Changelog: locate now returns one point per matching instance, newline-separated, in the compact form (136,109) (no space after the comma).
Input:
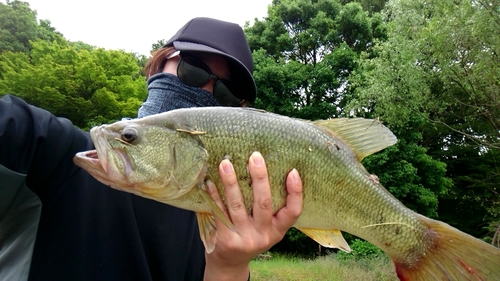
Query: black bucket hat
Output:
(209,35)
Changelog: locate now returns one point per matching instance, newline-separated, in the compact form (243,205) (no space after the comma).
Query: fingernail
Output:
(295,175)
(257,159)
(227,166)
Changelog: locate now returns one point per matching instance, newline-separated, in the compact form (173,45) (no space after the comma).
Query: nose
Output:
(209,86)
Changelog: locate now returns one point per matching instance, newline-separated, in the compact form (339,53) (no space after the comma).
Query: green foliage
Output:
(88,86)
(158,45)
(310,79)
(47,32)
(141,60)
(361,250)
(296,243)
(356,26)
(304,52)
(476,208)
(428,69)
(407,170)
(440,64)
(411,175)
(19,26)
(372,6)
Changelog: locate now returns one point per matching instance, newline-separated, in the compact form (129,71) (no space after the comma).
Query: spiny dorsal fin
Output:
(364,136)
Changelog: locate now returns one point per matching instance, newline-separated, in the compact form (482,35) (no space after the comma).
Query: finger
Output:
(234,200)
(262,203)
(214,193)
(288,215)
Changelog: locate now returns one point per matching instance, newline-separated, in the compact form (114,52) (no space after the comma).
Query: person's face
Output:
(217,65)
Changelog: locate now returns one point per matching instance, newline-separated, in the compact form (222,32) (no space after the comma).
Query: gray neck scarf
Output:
(166,92)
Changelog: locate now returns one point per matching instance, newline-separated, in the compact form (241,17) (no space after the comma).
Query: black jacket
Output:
(88,231)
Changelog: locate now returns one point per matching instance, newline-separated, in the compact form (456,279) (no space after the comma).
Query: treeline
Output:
(86,84)
(428,69)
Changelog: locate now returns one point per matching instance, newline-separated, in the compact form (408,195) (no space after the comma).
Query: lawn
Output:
(284,268)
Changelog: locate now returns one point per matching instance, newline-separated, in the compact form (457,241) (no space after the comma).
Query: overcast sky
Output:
(134,26)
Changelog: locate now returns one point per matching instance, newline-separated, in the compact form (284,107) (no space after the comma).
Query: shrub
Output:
(360,250)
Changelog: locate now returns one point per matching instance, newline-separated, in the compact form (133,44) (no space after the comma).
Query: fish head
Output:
(148,160)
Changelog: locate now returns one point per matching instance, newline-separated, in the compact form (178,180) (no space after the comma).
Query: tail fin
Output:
(454,255)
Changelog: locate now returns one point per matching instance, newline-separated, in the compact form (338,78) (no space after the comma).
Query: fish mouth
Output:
(90,162)
(91,155)
(88,158)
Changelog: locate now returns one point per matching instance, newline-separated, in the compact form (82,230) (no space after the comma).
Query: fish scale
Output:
(313,158)
(173,153)
(307,141)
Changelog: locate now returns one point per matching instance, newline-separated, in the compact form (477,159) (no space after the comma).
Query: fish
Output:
(168,157)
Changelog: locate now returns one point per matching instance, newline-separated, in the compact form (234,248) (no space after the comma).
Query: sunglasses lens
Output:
(193,72)
(223,92)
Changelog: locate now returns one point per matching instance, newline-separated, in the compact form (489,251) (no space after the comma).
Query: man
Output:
(88,231)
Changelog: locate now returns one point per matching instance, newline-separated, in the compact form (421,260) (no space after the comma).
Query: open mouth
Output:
(89,160)
(91,154)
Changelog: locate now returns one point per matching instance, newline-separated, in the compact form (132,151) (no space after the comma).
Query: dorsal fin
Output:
(363,136)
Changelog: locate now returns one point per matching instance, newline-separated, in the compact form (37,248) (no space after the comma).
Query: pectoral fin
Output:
(215,209)
(206,225)
(206,221)
(329,238)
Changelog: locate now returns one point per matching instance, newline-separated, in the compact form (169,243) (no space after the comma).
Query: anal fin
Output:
(329,238)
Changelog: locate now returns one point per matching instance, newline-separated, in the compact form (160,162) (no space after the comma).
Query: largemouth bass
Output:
(167,157)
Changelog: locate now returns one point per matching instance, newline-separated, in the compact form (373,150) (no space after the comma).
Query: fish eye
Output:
(129,134)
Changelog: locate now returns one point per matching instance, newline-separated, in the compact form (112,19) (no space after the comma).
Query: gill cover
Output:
(157,162)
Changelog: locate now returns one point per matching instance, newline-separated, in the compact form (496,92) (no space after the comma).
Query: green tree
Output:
(304,54)
(304,51)
(372,6)
(407,170)
(19,26)
(440,63)
(474,204)
(158,45)
(47,32)
(88,86)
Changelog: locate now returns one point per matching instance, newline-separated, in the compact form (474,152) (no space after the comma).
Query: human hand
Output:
(255,233)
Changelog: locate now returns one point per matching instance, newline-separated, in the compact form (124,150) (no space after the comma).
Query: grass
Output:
(286,268)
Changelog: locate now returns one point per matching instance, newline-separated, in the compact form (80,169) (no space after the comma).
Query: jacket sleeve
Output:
(36,143)
(20,211)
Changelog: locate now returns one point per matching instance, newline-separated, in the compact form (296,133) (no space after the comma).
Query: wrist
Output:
(226,273)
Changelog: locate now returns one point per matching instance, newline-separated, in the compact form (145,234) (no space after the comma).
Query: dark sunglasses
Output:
(194,72)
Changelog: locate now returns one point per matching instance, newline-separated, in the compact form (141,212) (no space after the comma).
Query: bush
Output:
(360,250)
